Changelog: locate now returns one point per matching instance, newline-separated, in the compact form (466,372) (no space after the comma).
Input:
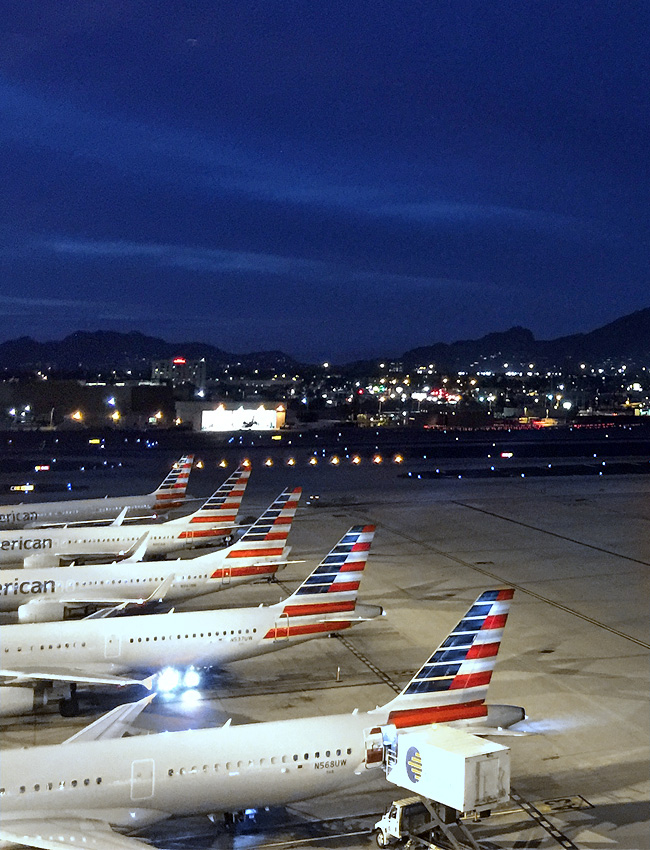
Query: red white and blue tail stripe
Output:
(217,517)
(171,493)
(453,683)
(261,549)
(326,600)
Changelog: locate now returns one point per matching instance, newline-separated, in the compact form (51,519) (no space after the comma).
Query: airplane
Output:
(46,547)
(170,494)
(79,792)
(52,593)
(110,649)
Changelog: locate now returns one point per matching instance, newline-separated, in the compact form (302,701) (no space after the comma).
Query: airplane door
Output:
(281,630)
(374,747)
(112,646)
(142,779)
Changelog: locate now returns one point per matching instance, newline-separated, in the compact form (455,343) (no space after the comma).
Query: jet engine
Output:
(17,699)
(41,611)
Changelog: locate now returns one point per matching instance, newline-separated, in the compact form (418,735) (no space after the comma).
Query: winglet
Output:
(136,553)
(119,519)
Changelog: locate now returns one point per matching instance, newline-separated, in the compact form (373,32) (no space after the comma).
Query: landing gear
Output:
(231,819)
(70,707)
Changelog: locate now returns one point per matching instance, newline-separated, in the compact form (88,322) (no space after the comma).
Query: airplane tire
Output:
(68,707)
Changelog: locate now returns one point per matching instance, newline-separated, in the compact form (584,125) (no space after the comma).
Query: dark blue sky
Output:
(334,179)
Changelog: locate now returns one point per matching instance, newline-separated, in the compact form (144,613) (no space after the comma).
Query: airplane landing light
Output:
(192,678)
(168,680)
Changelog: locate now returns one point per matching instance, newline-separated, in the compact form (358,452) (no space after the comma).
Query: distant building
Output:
(178,370)
(202,416)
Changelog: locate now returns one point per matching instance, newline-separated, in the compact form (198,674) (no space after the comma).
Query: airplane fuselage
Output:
(99,541)
(73,510)
(105,582)
(146,643)
(146,778)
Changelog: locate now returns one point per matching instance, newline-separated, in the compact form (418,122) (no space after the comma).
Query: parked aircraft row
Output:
(79,792)
(50,593)
(170,494)
(97,782)
(212,523)
(111,651)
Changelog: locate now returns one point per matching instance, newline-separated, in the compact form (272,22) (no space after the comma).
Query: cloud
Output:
(194,162)
(217,261)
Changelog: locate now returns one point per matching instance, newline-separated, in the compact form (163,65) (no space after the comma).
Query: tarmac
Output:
(575,650)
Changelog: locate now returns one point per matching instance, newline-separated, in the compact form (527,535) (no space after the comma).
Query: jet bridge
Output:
(453,773)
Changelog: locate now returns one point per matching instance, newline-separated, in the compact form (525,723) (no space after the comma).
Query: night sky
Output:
(333,179)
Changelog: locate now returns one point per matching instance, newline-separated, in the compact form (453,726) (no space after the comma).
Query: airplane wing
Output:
(119,606)
(66,833)
(68,675)
(113,724)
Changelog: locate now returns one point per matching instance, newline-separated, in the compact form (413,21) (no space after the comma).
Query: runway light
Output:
(199,464)
(291,461)
(268,461)
(377,459)
(313,461)
(168,679)
(335,460)
(398,459)
(192,678)
(246,463)
(507,454)
(356,460)
(223,463)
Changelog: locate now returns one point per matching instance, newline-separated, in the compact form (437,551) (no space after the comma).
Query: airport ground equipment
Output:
(453,773)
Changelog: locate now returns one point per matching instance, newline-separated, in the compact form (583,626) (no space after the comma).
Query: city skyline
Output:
(329,181)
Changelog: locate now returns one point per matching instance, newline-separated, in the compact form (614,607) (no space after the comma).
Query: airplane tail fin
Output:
(452,685)
(262,548)
(326,600)
(171,493)
(217,516)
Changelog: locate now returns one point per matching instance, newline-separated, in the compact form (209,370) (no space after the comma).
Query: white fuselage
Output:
(98,541)
(146,643)
(104,583)
(29,514)
(138,780)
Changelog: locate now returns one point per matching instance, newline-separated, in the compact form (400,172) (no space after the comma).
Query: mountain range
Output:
(625,340)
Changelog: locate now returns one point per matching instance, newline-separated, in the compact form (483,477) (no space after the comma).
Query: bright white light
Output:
(192,678)
(168,679)
(191,696)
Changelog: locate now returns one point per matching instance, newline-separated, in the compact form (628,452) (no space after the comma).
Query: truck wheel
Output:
(380,838)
